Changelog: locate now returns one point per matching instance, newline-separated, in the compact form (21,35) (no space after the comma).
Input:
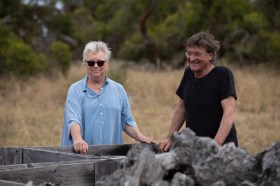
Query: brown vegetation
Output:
(31,112)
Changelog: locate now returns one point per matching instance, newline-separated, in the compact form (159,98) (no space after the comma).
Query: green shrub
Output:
(21,60)
(132,48)
(60,57)
(266,48)
(274,48)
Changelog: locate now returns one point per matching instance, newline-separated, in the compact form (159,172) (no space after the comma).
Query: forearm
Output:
(226,121)
(136,134)
(75,131)
(133,132)
(177,122)
(178,119)
(224,129)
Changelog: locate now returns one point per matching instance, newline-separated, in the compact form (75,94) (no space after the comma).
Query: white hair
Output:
(96,46)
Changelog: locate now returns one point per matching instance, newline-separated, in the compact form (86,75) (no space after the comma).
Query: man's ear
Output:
(211,56)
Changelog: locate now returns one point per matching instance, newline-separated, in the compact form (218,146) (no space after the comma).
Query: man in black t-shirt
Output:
(206,93)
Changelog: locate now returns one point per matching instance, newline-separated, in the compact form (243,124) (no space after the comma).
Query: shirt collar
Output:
(84,82)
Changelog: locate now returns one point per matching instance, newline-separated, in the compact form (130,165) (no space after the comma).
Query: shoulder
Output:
(188,71)
(116,89)
(115,85)
(222,71)
(77,87)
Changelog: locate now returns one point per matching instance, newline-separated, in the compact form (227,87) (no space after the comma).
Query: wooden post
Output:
(10,156)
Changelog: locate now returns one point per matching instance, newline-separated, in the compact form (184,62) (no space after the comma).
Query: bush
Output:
(21,60)
(273,51)
(60,57)
(266,48)
(132,48)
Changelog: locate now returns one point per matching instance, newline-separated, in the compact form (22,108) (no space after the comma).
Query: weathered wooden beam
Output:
(11,183)
(30,155)
(69,174)
(36,165)
(97,150)
(10,155)
(105,150)
(60,165)
(13,167)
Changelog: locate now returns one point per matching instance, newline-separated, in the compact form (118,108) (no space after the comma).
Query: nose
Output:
(191,58)
(95,65)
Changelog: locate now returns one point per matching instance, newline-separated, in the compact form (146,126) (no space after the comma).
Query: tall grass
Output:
(31,111)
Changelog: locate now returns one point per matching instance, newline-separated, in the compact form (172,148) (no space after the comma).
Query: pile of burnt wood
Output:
(196,161)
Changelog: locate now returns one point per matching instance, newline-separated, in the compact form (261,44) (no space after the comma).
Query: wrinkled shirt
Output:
(102,116)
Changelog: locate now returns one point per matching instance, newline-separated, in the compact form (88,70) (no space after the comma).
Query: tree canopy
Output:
(39,35)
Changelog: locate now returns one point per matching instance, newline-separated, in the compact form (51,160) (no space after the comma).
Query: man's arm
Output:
(79,144)
(228,105)
(177,122)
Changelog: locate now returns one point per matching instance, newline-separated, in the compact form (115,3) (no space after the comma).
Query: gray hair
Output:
(96,46)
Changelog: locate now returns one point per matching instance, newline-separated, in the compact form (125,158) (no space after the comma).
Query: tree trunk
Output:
(148,42)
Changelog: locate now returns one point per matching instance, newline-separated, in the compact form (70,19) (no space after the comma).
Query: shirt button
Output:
(101,113)
(100,104)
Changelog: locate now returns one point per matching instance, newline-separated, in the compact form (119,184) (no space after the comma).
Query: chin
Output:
(196,68)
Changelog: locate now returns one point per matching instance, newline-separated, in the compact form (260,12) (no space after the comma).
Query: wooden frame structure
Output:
(60,165)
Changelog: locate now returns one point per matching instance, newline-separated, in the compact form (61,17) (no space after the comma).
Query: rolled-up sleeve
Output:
(72,115)
(127,117)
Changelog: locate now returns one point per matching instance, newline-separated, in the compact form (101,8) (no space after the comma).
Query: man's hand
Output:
(80,146)
(165,145)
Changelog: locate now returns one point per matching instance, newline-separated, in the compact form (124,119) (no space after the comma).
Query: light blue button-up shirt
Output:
(102,117)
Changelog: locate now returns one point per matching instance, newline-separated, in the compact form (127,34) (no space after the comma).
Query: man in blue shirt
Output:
(97,108)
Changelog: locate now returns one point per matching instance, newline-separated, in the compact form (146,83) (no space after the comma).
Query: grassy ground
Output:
(31,112)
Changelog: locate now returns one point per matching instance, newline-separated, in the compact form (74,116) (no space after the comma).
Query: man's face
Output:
(198,59)
(97,65)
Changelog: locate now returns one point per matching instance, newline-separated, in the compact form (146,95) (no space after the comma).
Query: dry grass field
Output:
(31,112)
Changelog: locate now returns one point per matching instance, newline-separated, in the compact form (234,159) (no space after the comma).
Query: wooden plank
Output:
(49,164)
(96,150)
(111,150)
(61,166)
(11,183)
(36,165)
(105,150)
(70,174)
(31,155)
(10,155)
(13,167)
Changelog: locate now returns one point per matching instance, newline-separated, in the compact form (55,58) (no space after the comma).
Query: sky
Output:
(58,5)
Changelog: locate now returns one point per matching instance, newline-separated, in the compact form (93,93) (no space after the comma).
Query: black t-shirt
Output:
(202,99)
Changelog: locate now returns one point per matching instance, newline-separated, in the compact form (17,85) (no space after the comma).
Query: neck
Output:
(203,73)
(95,84)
